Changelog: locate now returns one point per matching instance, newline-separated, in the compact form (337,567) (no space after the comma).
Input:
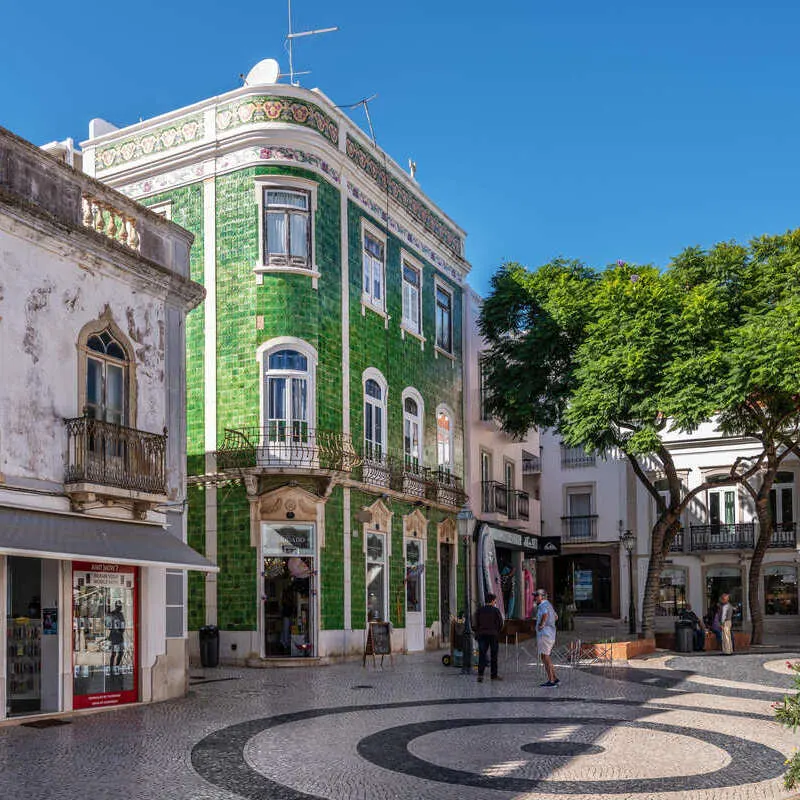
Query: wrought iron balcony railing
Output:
(572,457)
(579,528)
(722,536)
(494,497)
(531,465)
(281,445)
(784,534)
(523,506)
(676,545)
(113,455)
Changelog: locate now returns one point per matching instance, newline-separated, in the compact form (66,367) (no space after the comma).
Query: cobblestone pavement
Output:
(668,727)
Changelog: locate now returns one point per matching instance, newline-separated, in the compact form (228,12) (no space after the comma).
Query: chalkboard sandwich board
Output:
(379,640)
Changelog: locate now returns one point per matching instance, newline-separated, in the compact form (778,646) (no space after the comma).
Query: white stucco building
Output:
(94,290)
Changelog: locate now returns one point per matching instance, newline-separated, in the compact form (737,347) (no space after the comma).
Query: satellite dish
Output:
(266,71)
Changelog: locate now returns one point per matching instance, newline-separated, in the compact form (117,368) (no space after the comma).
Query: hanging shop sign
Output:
(287,540)
(549,546)
(104,634)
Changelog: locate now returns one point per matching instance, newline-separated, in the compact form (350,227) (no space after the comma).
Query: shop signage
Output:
(549,546)
(583,584)
(287,540)
(517,541)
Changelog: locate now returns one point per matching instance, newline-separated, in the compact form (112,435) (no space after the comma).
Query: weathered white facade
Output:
(93,294)
(502,478)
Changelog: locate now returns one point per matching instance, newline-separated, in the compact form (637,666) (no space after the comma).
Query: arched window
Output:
(107,368)
(444,440)
(288,392)
(412,430)
(374,416)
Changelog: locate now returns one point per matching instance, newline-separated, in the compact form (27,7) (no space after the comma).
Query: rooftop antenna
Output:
(365,103)
(291,36)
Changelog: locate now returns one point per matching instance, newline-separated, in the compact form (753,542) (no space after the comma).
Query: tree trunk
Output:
(754,580)
(654,567)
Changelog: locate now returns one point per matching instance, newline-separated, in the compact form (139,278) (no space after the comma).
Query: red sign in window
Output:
(104,625)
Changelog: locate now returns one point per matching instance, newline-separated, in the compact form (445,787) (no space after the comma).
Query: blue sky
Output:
(591,130)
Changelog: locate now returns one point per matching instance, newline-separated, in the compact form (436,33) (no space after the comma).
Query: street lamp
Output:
(464,521)
(628,540)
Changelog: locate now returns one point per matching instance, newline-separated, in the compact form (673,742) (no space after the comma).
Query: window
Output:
(444,440)
(374,260)
(509,468)
(487,490)
(722,507)
(412,432)
(671,592)
(287,228)
(572,457)
(106,379)
(444,319)
(175,603)
(580,522)
(414,567)
(781,503)
(780,589)
(376,576)
(412,311)
(288,392)
(484,384)
(374,420)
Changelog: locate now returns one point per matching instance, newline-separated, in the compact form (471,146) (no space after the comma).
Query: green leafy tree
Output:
(787,712)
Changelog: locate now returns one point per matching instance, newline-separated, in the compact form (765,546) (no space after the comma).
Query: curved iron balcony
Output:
(281,445)
(106,454)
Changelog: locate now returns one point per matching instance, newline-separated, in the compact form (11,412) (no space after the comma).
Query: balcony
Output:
(582,528)
(575,457)
(281,446)
(103,456)
(518,505)
(494,498)
(732,536)
(531,465)
(784,534)
(676,546)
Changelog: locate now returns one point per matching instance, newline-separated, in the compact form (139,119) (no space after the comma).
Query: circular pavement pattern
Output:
(525,744)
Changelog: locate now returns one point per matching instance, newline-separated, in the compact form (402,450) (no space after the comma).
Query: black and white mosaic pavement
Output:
(419,730)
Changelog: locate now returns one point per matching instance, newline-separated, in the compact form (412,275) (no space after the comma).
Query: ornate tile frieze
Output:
(403,233)
(412,204)
(248,110)
(181,132)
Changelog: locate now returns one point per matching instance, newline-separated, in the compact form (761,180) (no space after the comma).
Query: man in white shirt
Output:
(546,618)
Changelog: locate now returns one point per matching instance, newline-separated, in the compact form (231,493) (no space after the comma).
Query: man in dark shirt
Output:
(488,622)
(698,628)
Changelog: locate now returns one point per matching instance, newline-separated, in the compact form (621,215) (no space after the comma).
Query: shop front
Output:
(289,590)
(511,565)
(73,621)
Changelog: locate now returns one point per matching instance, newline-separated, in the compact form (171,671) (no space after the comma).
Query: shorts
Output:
(544,644)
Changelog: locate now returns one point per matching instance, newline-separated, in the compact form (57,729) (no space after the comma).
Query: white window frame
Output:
(439,284)
(262,356)
(450,468)
(163,209)
(370,373)
(367,298)
(406,326)
(720,492)
(287,183)
(410,393)
(385,562)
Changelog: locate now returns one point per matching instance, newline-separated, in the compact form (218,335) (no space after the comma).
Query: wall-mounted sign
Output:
(287,540)
(583,585)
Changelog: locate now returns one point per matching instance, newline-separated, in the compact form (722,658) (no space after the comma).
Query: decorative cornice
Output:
(183,131)
(434,224)
(271,108)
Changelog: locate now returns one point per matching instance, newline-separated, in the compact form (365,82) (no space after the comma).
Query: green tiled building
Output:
(325,423)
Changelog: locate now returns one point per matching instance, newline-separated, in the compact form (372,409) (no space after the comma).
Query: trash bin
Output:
(684,636)
(209,646)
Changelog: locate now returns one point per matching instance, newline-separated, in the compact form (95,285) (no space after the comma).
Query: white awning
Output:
(76,537)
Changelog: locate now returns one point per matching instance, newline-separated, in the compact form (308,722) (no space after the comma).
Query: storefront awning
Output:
(76,537)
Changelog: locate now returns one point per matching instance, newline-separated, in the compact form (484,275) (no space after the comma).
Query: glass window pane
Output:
(377,281)
(115,388)
(277,398)
(174,587)
(94,382)
(288,360)
(174,622)
(374,247)
(730,511)
(373,389)
(376,600)
(290,199)
(787,507)
(410,275)
(411,406)
(713,508)
(580,505)
(96,343)
(299,399)
(368,422)
(378,425)
(299,235)
(276,233)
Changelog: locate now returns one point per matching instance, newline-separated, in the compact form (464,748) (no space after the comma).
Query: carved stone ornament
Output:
(289,500)
(415,525)
(381,517)
(447,531)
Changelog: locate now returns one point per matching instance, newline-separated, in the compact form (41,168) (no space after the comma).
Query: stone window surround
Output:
(286,182)
(371,373)
(439,283)
(366,300)
(406,257)
(262,356)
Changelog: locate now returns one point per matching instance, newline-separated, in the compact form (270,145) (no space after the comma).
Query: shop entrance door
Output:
(445,583)
(415,594)
(32,652)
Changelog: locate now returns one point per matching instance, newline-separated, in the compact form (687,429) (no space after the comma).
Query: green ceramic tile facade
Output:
(331,575)
(196,527)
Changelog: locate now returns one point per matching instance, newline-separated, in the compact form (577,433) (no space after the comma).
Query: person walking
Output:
(726,622)
(546,619)
(488,623)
